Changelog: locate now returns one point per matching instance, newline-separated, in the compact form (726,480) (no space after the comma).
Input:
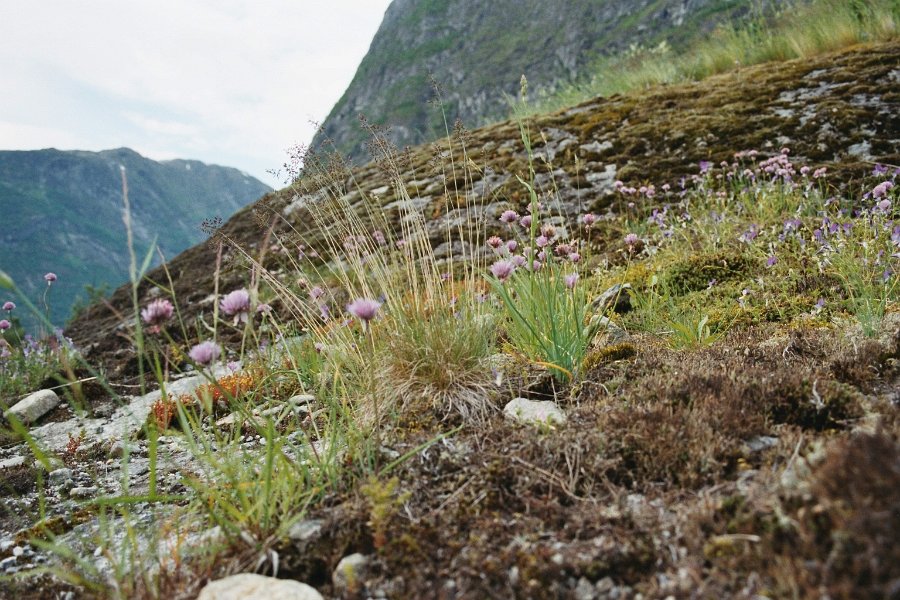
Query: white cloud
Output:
(233,82)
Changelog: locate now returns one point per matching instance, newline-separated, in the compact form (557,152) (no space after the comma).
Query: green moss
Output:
(695,272)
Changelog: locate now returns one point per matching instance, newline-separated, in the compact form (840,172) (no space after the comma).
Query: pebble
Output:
(83,493)
(248,586)
(350,572)
(60,476)
(540,412)
(10,463)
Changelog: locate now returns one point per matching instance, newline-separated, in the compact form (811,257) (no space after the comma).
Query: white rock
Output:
(248,586)
(35,406)
(350,572)
(524,410)
(9,463)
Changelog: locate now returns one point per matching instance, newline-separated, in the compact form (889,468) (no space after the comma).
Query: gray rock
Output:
(616,294)
(759,443)
(305,532)
(60,477)
(538,412)
(11,463)
(350,572)
(83,493)
(248,586)
(33,407)
(301,399)
(585,590)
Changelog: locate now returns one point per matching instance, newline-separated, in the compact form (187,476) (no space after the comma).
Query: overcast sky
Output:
(229,82)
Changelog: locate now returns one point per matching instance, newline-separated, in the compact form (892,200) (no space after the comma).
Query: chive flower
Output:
(236,304)
(502,269)
(205,353)
(9,306)
(364,309)
(4,324)
(156,313)
(50,278)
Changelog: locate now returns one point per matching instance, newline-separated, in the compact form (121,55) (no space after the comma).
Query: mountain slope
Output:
(658,135)
(477,52)
(62,213)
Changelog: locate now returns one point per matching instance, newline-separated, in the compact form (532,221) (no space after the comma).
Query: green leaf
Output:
(6,281)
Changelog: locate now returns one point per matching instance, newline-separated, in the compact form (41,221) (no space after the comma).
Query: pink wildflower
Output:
(156,313)
(509,216)
(50,278)
(205,353)
(4,325)
(236,304)
(571,280)
(502,269)
(364,309)
(9,306)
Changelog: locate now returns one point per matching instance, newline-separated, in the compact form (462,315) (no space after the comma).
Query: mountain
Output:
(62,213)
(477,52)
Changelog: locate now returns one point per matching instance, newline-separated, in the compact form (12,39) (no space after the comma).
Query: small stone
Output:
(11,463)
(585,590)
(301,399)
(605,585)
(248,586)
(350,572)
(616,297)
(541,412)
(304,532)
(117,450)
(33,407)
(8,562)
(83,493)
(760,443)
(18,551)
(60,477)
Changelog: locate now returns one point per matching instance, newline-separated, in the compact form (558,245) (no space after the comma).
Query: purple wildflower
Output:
(205,352)
(631,240)
(236,304)
(263,308)
(9,306)
(156,313)
(541,241)
(364,309)
(705,166)
(574,257)
(316,293)
(494,242)
(518,260)
(50,278)
(590,218)
(525,221)
(4,325)
(771,261)
(882,189)
(502,269)
(509,216)
(571,280)
(511,245)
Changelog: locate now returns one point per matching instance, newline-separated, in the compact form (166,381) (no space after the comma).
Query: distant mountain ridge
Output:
(62,212)
(478,50)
